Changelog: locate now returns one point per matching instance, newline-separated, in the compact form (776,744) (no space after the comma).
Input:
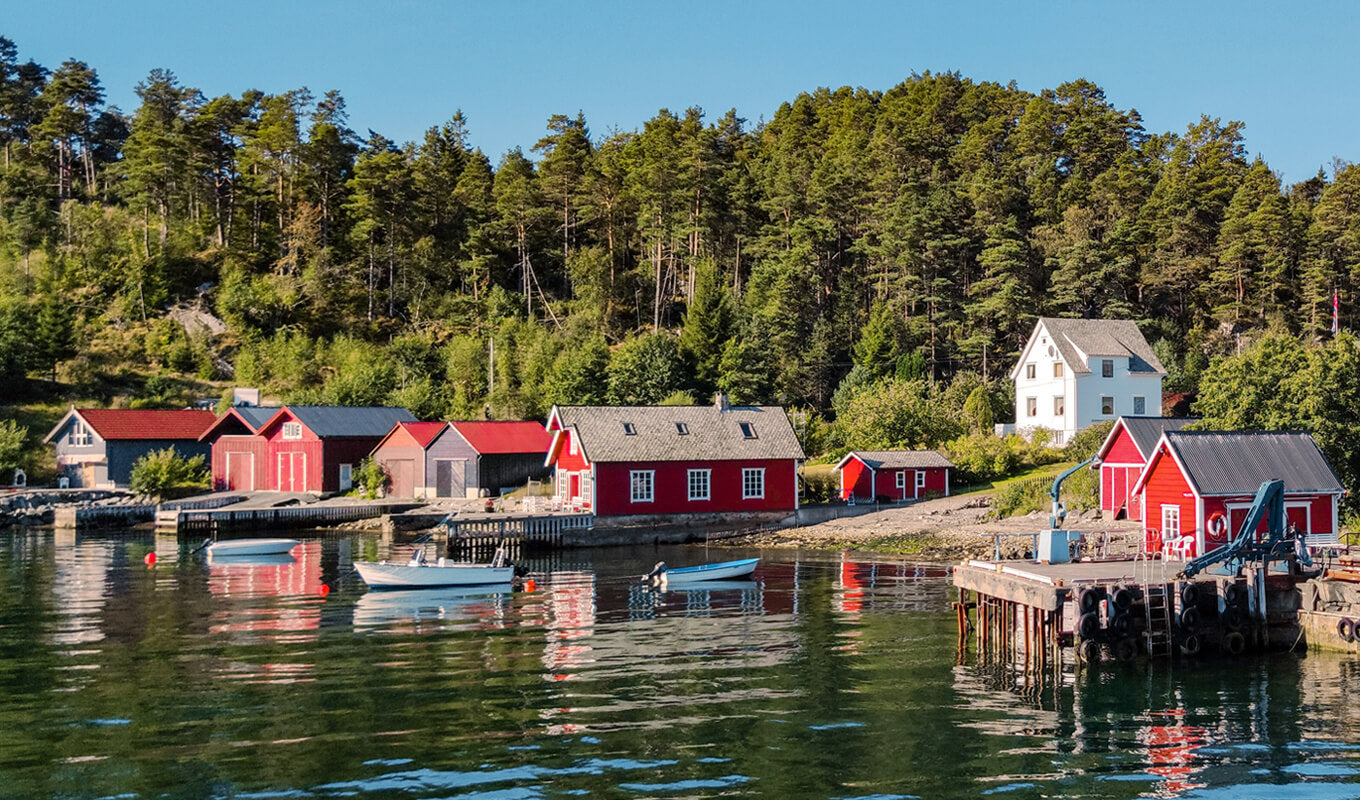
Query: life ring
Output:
(1218,527)
(1234,643)
(1190,644)
(1345,628)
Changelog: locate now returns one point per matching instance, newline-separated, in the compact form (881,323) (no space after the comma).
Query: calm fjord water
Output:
(821,678)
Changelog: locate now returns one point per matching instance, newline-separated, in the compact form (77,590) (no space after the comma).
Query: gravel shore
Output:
(947,529)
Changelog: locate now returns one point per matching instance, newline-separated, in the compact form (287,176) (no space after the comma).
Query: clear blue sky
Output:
(1290,72)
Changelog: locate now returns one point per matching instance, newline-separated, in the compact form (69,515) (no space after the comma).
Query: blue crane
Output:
(1277,545)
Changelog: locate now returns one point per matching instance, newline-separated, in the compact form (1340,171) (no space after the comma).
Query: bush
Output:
(1087,441)
(12,438)
(982,457)
(821,486)
(164,471)
(369,479)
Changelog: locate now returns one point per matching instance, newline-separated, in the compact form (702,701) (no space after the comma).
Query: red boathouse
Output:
(1200,484)
(238,455)
(895,474)
(1122,458)
(316,448)
(641,460)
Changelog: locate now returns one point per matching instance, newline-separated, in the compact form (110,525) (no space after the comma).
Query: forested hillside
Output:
(915,231)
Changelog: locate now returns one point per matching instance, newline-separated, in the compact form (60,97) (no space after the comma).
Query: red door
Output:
(292,472)
(1298,517)
(241,472)
(574,490)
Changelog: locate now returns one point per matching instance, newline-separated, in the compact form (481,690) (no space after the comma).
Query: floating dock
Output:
(235,520)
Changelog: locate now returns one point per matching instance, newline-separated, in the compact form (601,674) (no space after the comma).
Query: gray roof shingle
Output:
(255,416)
(712,435)
(337,421)
(1101,337)
(901,459)
(1239,462)
(1146,431)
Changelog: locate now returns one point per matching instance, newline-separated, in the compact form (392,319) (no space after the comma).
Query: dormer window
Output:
(629,429)
(681,428)
(748,430)
(292,430)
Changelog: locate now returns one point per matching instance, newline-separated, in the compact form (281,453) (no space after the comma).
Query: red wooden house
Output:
(1122,458)
(642,460)
(895,474)
(238,455)
(1200,484)
(316,448)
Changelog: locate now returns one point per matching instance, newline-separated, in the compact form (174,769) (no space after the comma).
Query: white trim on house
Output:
(706,476)
(746,474)
(647,475)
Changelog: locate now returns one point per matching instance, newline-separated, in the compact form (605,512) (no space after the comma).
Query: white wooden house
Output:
(1076,372)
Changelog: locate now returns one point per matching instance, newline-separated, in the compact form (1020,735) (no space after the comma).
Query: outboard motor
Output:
(656,573)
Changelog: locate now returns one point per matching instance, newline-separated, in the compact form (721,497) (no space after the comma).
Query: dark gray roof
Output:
(336,421)
(900,459)
(713,435)
(1239,462)
(1100,337)
(255,416)
(1146,431)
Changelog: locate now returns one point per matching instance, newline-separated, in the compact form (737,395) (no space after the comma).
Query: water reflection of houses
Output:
(80,586)
(886,586)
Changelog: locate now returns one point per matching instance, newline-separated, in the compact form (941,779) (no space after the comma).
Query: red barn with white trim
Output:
(317,448)
(238,455)
(896,474)
(1201,483)
(1122,458)
(641,460)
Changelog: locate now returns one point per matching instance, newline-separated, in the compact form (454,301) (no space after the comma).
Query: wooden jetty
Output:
(312,515)
(102,516)
(477,537)
(1029,614)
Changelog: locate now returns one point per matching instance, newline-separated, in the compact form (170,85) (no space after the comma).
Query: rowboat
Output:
(422,575)
(251,547)
(705,572)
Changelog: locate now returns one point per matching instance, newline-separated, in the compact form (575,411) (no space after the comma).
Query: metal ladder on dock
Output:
(1157,601)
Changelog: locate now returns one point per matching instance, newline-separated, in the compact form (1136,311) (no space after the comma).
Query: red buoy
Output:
(324,590)
(150,559)
(529,585)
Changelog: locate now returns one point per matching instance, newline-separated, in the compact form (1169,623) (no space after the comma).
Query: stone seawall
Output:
(39,507)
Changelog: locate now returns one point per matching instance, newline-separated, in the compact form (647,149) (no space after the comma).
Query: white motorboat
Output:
(251,547)
(661,574)
(419,574)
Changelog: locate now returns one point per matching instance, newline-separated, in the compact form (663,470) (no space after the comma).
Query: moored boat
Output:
(704,572)
(422,575)
(251,547)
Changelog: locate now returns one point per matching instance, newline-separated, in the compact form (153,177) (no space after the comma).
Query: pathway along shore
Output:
(946,529)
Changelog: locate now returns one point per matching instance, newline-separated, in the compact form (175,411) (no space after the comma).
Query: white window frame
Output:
(1057,369)
(644,475)
(1031,406)
(747,474)
(1139,400)
(1107,368)
(571,444)
(1059,405)
(292,430)
(1171,522)
(901,479)
(920,480)
(1103,412)
(704,475)
(346,477)
(80,436)
(1030,371)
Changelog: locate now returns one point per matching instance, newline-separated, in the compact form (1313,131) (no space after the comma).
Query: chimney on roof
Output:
(720,402)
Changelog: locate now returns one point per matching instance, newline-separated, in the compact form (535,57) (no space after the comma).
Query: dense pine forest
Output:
(903,239)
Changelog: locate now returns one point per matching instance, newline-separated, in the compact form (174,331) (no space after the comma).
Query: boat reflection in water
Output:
(696,599)
(485,605)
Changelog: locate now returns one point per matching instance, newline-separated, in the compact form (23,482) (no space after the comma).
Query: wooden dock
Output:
(1025,615)
(235,520)
(477,537)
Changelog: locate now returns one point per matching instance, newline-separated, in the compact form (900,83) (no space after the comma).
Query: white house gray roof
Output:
(1146,431)
(898,459)
(336,421)
(709,434)
(1099,337)
(1239,462)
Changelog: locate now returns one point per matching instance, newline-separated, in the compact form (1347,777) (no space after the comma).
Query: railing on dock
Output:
(478,537)
(317,515)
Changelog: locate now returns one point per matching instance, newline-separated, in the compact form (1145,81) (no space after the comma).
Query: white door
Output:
(346,477)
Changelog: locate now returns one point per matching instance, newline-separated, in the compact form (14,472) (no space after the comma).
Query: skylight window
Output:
(681,428)
(748,430)
(629,429)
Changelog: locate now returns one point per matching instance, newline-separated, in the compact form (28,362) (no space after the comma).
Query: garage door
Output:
(448,478)
(402,472)
(241,472)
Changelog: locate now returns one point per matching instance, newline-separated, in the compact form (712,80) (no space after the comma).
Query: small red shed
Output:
(316,448)
(238,455)
(1203,482)
(642,460)
(896,474)
(1122,458)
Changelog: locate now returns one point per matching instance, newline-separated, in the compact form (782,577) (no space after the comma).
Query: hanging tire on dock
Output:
(1234,618)
(1121,624)
(1088,627)
(1126,649)
(1189,617)
(1190,645)
(1234,643)
(1345,628)
(1235,594)
(1089,600)
(1122,598)
(1088,651)
(1189,595)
